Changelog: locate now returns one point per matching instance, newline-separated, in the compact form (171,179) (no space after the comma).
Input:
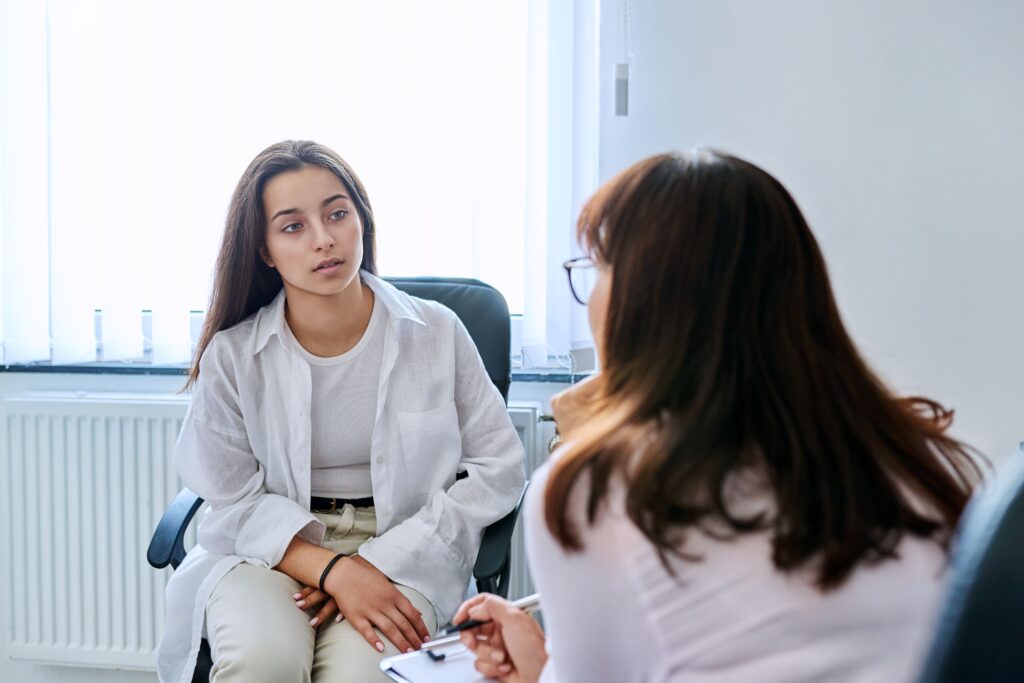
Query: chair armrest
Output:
(496,545)
(167,546)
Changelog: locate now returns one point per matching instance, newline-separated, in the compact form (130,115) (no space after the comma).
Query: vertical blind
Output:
(126,125)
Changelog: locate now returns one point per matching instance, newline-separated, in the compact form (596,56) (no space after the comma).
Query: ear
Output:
(265,256)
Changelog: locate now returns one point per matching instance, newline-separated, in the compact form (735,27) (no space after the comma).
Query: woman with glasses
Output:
(738,496)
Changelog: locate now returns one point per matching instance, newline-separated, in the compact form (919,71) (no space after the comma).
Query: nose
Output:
(322,240)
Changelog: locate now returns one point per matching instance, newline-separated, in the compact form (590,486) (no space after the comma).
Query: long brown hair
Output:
(724,350)
(243,283)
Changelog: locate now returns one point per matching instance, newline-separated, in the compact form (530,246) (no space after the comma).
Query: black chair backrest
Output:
(481,308)
(981,629)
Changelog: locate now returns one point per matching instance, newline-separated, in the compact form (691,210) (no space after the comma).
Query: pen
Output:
(529,604)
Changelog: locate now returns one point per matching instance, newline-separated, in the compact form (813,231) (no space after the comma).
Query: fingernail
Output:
(498,656)
(505,668)
(312,622)
(409,650)
(296,596)
(380,647)
(337,619)
(301,603)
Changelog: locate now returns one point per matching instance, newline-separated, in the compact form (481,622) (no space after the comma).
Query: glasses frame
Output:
(579,262)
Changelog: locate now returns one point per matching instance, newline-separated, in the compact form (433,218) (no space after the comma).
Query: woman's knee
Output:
(267,657)
(344,656)
(256,633)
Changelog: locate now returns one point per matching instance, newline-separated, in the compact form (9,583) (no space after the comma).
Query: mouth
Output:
(327,264)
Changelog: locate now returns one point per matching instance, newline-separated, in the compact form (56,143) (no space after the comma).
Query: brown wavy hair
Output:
(242,282)
(723,349)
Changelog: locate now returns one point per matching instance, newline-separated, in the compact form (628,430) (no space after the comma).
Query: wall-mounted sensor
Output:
(622,89)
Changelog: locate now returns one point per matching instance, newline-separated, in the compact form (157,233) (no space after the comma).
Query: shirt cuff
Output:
(273,524)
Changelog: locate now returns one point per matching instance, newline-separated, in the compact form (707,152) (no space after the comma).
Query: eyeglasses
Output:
(580,272)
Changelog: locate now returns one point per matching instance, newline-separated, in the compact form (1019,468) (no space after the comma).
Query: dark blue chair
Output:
(483,311)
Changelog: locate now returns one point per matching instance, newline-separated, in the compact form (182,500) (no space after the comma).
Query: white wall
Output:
(899,128)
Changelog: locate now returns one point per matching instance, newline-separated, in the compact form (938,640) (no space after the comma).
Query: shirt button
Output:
(380,459)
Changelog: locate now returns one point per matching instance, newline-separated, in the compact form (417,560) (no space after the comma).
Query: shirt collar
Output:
(270,319)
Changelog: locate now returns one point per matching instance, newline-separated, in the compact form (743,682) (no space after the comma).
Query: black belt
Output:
(317,504)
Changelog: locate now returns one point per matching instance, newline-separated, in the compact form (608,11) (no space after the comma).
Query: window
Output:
(126,125)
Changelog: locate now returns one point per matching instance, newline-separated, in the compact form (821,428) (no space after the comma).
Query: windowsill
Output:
(553,375)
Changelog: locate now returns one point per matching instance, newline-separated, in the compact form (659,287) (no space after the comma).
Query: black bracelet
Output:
(327,570)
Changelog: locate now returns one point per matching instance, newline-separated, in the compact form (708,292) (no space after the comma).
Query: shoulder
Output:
(610,527)
(401,305)
(427,324)
(226,346)
(230,352)
(432,313)
(236,336)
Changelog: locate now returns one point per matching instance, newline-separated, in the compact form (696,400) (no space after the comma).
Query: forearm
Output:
(304,561)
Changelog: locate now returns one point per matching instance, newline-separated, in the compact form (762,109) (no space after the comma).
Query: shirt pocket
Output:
(431,447)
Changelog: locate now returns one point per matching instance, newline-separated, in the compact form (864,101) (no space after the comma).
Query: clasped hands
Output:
(361,593)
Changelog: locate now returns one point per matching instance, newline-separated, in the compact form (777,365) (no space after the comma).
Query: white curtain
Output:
(24,211)
(126,125)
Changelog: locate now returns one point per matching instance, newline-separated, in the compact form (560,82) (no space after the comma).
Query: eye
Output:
(291,227)
(338,215)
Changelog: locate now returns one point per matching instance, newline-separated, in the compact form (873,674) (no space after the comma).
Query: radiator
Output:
(96,470)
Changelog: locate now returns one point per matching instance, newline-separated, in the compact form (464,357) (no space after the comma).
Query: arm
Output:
(214,458)
(442,539)
(355,590)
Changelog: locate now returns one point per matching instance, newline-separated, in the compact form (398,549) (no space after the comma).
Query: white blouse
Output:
(613,613)
(245,448)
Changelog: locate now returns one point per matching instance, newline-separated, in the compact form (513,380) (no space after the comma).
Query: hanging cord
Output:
(627,31)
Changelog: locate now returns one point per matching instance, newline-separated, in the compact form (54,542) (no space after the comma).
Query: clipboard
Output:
(420,667)
(445,660)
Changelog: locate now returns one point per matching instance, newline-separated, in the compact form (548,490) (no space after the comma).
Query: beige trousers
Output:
(257,633)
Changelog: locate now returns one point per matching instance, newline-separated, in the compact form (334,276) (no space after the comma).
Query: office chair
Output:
(980,637)
(483,311)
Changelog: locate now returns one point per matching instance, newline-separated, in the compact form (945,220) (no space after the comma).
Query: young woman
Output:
(330,415)
(739,498)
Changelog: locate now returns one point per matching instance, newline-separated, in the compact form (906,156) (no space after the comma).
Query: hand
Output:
(573,406)
(510,647)
(309,597)
(367,598)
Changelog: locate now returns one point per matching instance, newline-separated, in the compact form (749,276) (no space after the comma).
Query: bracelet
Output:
(327,570)
(555,442)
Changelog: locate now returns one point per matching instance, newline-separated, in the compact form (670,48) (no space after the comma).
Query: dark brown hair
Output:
(724,350)
(242,281)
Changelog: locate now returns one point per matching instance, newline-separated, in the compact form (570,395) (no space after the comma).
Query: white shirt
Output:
(344,409)
(613,613)
(245,448)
